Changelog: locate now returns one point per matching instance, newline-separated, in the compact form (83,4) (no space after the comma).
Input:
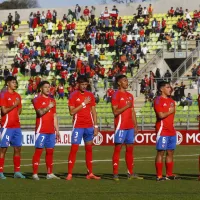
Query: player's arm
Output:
(134,120)
(94,116)
(73,110)
(163,115)
(56,126)
(20,111)
(118,111)
(6,110)
(42,111)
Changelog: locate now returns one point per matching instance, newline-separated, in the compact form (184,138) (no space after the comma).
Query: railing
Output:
(145,121)
(150,65)
(193,57)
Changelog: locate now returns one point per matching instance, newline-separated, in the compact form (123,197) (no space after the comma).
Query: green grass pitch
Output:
(186,165)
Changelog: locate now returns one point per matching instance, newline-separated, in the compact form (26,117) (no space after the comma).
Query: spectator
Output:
(109,94)
(17,18)
(61,92)
(88,48)
(139,9)
(182,90)
(6,72)
(144,52)
(49,27)
(189,99)
(171,12)
(11,40)
(1,30)
(154,25)
(48,16)
(10,19)
(97,99)
(95,82)
(168,75)
(86,13)
(92,12)
(150,11)
(77,12)
(43,18)
(177,96)
(54,15)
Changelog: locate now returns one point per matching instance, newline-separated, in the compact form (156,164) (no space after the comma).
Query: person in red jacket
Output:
(59,31)
(124,38)
(86,13)
(120,24)
(88,48)
(111,43)
(73,25)
(15,71)
(49,15)
(102,72)
(164,24)
(171,12)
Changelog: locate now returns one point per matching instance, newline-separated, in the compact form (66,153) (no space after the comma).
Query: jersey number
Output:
(42,138)
(76,135)
(7,137)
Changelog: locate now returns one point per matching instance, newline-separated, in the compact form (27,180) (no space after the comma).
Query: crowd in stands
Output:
(55,47)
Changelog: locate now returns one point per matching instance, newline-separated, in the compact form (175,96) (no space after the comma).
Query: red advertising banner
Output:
(184,137)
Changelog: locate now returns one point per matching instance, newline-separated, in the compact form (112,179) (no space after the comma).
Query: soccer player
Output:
(47,130)
(11,134)
(164,108)
(125,126)
(82,108)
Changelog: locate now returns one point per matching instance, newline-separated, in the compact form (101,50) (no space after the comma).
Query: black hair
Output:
(118,78)
(82,79)
(10,78)
(41,84)
(160,85)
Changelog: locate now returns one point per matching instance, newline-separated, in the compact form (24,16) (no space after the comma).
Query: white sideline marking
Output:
(139,159)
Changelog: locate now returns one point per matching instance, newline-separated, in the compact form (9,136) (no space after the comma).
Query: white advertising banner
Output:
(65,139)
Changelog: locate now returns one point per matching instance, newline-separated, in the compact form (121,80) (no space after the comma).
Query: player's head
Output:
(82,83)
(122,82)
(44,88)
(11,83)
(164,88)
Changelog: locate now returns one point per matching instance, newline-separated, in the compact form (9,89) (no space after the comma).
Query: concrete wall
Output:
(161,6)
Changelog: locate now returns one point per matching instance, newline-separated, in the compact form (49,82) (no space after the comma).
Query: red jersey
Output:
(83,118)
(125,119)
(86,12)
(64,74)
(110,92)
(164,127)
(88,47)
(60,89)
(11,119)
(52,91)
(73,25)
(45,123)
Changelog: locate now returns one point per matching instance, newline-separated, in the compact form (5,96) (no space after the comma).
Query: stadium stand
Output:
(58,50)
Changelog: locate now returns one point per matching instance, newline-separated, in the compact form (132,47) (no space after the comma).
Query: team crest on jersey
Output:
(122,99)
(164,104)
(9,99)
(78,99)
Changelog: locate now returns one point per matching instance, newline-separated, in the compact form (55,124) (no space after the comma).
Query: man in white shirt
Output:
(187,15)
(19,39)
(48,68)
(49,27)
(144,51)
(145,12)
